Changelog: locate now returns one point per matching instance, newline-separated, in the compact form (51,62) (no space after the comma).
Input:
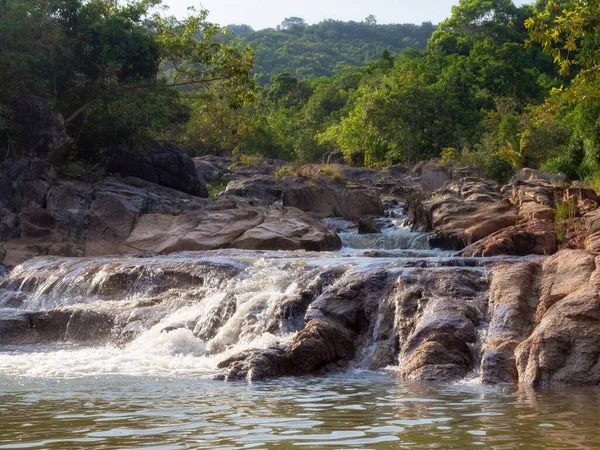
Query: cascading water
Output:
(187,312)
(121,352)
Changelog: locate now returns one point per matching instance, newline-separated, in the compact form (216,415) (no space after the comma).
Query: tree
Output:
(571,34)
(117,72)
(293,23)
(370,20)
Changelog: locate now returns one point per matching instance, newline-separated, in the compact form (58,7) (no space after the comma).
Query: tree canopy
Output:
(116,71)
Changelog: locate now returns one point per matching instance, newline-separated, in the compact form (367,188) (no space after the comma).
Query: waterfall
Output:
(204,313)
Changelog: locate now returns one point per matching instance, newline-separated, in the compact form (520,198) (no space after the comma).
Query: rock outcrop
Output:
(461,213)
(43,215)
(166,165)
(324,200)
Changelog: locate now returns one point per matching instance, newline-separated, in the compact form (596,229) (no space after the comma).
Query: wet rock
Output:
(340,321)
(512,304)
(316,346)
(437,318)
(367,225)
(536,237)
(18,328)
(326,201)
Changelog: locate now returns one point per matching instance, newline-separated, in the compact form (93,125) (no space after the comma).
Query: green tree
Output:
(117,72)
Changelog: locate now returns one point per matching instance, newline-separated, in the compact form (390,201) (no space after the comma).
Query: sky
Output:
(261,14)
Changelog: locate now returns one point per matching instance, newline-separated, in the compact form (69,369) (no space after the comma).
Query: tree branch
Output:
(125,89)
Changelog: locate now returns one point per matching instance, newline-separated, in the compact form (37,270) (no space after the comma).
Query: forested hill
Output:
(309,51)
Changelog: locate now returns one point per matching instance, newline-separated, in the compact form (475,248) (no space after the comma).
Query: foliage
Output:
(571,34)
(312,51)
(118,73)
(284,171)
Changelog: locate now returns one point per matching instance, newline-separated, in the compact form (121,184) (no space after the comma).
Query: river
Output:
(130,347)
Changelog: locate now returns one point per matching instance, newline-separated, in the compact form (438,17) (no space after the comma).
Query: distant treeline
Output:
(309,51)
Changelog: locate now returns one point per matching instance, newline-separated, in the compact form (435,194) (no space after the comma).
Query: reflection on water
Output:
(351,410)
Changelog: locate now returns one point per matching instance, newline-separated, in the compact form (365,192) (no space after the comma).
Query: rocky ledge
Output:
(532,322)
(43,214)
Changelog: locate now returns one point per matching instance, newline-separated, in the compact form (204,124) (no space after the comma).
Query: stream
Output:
(124,352)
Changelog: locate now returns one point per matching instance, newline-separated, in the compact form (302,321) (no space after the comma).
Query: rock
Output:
(535,199)
(262,187)
(325,201)
(458,173)
(431,175)
(512,304)
(166,165)
(176,170)
(338,322)
(288,229)
(563,273)
(591,223)
(129,163)
(24,183)
(42,133)
(212,169)
(536,237)
(527,174)
(461,213)
(130,215)
(396,171)
(40,327)
(244,227)
(437,318)
(333,158)
(564,348)
(367,225)
(318,345)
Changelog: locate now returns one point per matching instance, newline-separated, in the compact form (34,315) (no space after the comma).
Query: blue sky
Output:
(268,13)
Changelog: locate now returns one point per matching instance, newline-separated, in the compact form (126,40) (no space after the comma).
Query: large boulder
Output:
(342,316)
(324,200)
(527,174)
(262,187)
(536,237)
(461,213)
(176,170)
(129,163)
(564,347)
(166,165)
(245,227)
(437,320)
(512,304)
(41,133)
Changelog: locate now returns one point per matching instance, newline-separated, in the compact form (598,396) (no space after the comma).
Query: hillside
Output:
(309,51)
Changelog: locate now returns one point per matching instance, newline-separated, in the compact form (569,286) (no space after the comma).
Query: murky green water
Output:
(351,410)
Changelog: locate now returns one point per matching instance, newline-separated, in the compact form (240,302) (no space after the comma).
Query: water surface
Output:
(355,409)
